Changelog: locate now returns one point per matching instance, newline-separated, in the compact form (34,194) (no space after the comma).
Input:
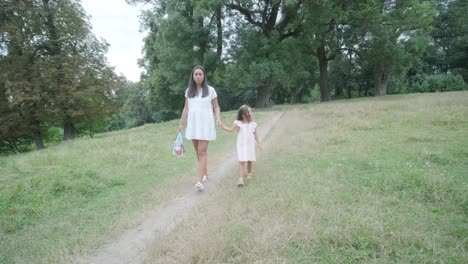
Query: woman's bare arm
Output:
(217,111)
(183,118)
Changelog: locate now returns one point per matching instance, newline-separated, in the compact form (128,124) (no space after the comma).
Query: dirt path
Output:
(131,246)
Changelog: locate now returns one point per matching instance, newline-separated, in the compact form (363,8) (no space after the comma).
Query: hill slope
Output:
(366,180)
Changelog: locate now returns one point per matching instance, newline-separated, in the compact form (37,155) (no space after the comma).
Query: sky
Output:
(118,24)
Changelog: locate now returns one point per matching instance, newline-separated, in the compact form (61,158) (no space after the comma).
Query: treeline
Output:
(290,51)
(55,79)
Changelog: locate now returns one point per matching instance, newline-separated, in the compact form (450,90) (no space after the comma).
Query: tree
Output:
(332,28)
(321,30)
(80,84)
(182,34)
(23,112)
(451,37)
(400,25)
(134,110)
(55,69)
(275,21)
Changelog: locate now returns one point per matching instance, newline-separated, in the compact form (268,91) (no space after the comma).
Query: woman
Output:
(200,101)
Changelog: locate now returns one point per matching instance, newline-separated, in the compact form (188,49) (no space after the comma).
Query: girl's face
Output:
(247,115)
(198,76)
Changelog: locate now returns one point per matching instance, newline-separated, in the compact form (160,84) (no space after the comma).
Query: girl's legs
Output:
(249,170)
(241,169)
(202,155)
(241,173)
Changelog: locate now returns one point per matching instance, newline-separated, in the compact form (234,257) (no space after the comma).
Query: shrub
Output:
(422,83)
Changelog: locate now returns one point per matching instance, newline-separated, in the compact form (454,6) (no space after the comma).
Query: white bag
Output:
(178,146)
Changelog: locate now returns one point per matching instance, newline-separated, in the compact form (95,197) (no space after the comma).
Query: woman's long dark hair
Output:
(244,110)
(192,86)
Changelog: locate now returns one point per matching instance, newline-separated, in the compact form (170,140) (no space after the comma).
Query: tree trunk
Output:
(293,98)
(203,42)
(339,86)
(4,105)
(36,128)
(264,96)
(219,29)
(380,80)
(68,128)
(323,65)
(349,87)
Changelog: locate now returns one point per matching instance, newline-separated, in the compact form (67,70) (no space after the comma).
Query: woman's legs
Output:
(195,143)
(195,146)
(249,167)
(201,147)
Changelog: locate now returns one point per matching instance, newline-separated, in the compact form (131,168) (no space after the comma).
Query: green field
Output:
(374,180)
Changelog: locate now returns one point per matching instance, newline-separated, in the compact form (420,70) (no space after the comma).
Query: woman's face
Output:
(198,76)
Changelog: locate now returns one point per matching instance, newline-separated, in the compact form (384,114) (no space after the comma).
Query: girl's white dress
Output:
(200,118)
(246,140)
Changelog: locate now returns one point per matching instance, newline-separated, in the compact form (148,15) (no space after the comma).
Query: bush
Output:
(314,95)
(53,134)
(16,145)
(164,115)
(134,122)
(116,123)
(422,83)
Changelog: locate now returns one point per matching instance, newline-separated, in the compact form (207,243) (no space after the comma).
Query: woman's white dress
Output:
(246,140)
(200,119)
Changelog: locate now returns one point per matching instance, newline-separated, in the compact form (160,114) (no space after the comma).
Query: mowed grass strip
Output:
(375,180)
(70,199)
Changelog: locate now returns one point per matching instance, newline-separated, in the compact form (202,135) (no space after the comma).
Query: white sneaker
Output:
(240,182)
(205,178)
(199,186)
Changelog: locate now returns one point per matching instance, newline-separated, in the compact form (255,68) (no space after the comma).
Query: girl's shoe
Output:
(249,176)
(240,182)
(205,178)
(199,186)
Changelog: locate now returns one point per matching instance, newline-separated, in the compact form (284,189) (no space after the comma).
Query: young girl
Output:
(246,140)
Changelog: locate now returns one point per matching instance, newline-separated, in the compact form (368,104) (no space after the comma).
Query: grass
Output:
(374,180)
(69,199)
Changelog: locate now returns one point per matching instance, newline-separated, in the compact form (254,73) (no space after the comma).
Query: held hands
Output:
(181,127)
(219,123)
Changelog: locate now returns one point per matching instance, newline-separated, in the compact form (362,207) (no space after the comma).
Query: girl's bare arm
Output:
(256,138)
(257,141)
(229,129)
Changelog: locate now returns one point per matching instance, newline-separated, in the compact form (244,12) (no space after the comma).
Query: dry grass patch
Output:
(326,192)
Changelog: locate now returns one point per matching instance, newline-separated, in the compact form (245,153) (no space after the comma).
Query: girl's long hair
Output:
(244,110)
(192,86)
